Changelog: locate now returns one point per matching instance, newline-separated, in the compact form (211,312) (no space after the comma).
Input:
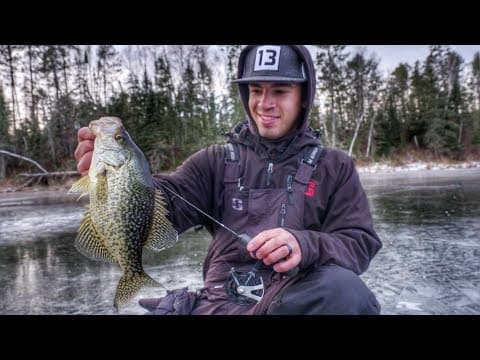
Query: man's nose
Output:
(267,100)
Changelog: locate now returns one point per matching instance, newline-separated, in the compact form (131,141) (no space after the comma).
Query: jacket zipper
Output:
(283,212)
(289,188)
(269,172)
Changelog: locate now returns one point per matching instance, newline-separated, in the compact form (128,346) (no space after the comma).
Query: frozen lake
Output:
(429,222)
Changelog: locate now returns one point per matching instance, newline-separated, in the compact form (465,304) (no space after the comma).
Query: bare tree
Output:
(364,81)
(331,62)
(9,59)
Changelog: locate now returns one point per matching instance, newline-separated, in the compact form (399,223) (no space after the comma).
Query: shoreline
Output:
(7,187)
(381,168)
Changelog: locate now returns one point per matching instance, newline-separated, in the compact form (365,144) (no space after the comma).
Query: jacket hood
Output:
(309,86)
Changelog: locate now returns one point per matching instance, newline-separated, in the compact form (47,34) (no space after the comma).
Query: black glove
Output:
(176,302)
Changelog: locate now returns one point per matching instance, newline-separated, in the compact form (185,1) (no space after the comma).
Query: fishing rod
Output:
(243,287)
(244,238)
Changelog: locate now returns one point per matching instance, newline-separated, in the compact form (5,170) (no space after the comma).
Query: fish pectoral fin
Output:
(162,234)
(90,243)
(81,186)
(129,286)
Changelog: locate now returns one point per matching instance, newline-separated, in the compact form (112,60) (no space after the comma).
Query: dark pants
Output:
(327,290)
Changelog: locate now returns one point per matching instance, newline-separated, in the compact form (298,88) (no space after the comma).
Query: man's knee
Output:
(328,290)
(346,293)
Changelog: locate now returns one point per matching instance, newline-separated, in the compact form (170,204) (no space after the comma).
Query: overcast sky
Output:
(392,55)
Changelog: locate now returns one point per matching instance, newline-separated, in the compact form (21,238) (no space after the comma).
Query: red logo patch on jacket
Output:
(310,188)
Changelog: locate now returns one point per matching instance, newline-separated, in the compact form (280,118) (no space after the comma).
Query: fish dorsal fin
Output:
(81,186)
(162,234)
(89,242)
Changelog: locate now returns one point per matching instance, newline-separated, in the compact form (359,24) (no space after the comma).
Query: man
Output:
(301,206)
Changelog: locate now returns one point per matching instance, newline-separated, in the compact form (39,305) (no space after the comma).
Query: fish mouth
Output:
(113,160)
(107,125)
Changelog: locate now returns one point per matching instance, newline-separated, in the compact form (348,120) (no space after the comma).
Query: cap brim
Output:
(282,79)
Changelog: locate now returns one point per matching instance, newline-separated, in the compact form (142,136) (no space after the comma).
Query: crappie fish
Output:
(125,213)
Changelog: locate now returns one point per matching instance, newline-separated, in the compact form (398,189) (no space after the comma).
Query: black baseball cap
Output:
(272,63)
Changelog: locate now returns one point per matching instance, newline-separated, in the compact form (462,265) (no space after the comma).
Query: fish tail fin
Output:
(129,285)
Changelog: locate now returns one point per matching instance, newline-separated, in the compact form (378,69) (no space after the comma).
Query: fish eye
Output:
(119,137)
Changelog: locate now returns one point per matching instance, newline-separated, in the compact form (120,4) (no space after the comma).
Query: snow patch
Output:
(415,166)
(407,305)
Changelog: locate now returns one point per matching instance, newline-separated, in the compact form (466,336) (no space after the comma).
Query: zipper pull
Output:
(289,188)
(283,212)
(269,172)
(239,185)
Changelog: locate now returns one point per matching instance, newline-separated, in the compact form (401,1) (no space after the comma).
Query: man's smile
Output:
(268,120)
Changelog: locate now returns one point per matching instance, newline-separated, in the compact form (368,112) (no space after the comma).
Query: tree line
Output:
(175,100)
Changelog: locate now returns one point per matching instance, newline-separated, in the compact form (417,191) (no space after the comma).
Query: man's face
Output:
(274,107)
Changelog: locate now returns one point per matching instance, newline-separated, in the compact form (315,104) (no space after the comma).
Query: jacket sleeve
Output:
(346,237)
(194,180)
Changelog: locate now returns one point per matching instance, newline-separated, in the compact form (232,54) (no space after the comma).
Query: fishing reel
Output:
(245,287)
